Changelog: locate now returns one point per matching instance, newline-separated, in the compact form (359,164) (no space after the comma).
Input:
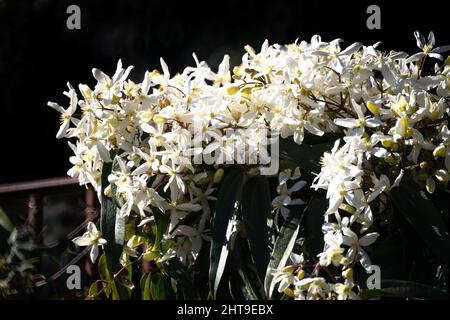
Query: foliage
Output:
(15,267)
(178,166)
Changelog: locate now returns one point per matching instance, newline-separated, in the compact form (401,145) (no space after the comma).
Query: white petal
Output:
(347,122)
(82,241)
(441,49)
(297,186)
(165,68)
(368,239)
(94,253)
(415,57)
(91,228)
(55,106)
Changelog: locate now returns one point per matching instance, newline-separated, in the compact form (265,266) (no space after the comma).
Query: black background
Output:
(38,54)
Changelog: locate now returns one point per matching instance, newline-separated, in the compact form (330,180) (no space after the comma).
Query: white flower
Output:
(66,114)
(427,47)
(334,252)
(90,238)
(315,288)
(355,244)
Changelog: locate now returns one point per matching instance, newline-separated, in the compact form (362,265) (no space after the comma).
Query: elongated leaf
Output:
(404,289)
(181,274)
(119,227)
(419,210)
(283,248)
(307,155)
(256,206)
(230,192)
(109,211)
(93,291)
(162,222)
(313,220)
(329,138)
(158,289)
(109,286)
(5,222)
(148,281)
(248,285)
(124,283)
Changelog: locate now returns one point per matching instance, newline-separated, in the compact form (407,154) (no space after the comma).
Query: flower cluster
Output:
(160,131)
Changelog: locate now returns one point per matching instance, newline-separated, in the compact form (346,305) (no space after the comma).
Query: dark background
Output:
(38,54)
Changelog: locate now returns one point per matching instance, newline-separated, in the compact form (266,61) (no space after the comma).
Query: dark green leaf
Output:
(5,222)
(248,285)
(426,220)
(181,274)
(404,289)
(229,193)
(313,221)
(256,207)
(148,281)
(109,212)
(162,222)
(93,290)
(307,155)
(160,287)
(124,283)
(282,248)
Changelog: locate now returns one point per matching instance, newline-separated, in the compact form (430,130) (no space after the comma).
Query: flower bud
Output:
(232,90)
(430,185)
(439,151)
(289,292)
(108,191)
(345,261)
(374,108)
(347,273)
(387,143)
(289,269)
(442,175)
(347,208)
(218,175)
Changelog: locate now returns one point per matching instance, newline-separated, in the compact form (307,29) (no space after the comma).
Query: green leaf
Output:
(248,285)
(93,290)
(109,287)
(391,256)
(307,155)
(313,221)
(148,281)
(404,289)
(282,248)
(256,207)
(109,212)
(5,222)
(229,193)
(156,287)
(426,220)
(182,275)
(160,287)
(124,283)
(162,222)
(120,225)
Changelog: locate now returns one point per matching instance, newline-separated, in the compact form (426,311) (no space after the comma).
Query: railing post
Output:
(34,228)
(35,217)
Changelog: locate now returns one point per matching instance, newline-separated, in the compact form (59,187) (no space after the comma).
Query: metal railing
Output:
(34,192)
